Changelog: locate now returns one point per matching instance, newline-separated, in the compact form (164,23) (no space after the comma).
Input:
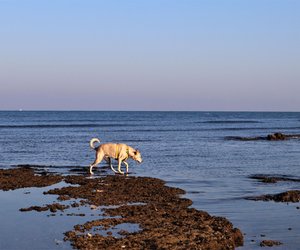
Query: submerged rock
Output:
(289,196)
(273,179)
(276,137)
(270,243)
(269,137)
(52,207)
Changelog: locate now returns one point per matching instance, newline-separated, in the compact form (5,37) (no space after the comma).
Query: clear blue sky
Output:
(150,55)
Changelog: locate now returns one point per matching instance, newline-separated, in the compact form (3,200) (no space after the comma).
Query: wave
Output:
(255,128)
(157,130)
(230,122)
(140,140)
(19,152)
(127,127)
(268,178)
(93,120)
(87,125)
(241,138)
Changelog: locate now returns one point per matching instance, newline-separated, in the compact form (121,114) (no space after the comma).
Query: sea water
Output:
(189,150)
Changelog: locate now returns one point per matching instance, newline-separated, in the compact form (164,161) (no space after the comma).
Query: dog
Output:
(118,151)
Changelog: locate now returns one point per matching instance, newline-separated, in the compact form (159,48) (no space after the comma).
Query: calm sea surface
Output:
(187,149)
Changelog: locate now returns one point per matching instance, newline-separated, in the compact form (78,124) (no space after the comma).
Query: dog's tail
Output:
(93,141)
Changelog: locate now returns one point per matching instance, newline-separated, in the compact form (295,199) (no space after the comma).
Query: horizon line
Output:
(115,110)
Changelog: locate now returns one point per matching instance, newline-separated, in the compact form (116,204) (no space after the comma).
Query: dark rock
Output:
(36,208)
(52,207)
(276,137)
(270,243)
(11,179)
(273,179)
(289,196)
(269,137)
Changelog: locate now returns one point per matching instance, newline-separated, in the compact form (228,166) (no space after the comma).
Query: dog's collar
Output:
(127,152)
(117,151)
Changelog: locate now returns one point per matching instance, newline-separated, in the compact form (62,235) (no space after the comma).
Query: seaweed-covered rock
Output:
(11,179)
(165,220)
(52,207)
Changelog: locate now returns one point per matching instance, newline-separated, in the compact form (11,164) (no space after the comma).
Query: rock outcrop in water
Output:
(269,137)
(270,243)
(288,196)
(277,137)
(23,177)
(273,179)
(52,207)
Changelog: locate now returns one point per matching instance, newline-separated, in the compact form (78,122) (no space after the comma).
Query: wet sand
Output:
(137,212)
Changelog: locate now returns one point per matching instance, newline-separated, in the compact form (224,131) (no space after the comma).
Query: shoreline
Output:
(136,212)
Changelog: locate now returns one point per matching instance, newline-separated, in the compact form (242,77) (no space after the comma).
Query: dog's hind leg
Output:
(91,168)
(99,157)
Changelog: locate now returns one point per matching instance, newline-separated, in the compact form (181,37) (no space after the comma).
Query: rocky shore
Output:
(159,216)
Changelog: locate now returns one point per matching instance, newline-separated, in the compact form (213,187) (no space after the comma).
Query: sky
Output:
(193,55)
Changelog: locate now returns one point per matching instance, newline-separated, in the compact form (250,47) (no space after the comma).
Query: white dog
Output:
(120,152)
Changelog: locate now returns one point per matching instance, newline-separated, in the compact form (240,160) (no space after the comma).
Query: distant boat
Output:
(20,110)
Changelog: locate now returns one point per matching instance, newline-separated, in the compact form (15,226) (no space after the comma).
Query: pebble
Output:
(93,207)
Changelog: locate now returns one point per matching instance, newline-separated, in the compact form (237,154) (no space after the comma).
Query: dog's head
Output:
(137,156)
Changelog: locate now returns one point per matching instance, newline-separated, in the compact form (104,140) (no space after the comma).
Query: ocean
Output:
(194,151)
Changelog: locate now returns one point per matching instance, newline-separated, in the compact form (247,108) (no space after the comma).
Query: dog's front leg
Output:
(109,161)
(119,166)
(99,157)
(112,168)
